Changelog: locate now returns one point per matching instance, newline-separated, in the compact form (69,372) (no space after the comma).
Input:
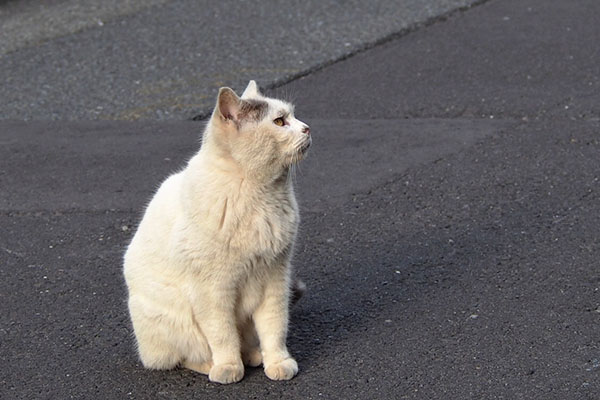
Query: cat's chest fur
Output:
(261,224)
(236,221)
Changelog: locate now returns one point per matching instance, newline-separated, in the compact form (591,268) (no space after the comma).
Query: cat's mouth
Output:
(305,146)
(300,151)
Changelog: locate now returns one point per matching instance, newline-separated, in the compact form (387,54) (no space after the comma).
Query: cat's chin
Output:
(299,156)
(303,150)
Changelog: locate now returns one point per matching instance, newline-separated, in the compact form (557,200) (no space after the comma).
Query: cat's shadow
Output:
(366,281)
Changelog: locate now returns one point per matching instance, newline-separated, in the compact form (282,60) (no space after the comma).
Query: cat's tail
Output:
(298,289)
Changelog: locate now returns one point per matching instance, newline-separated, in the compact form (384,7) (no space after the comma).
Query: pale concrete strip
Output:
(30,22)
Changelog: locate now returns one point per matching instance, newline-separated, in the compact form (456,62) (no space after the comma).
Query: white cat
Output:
(208,270)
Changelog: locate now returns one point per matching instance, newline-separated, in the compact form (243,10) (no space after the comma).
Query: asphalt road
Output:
(450,220)
(166,59)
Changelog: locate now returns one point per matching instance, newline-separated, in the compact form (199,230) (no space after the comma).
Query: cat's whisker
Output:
(292,173)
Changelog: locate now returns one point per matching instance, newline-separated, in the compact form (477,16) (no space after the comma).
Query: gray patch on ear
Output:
(253,110)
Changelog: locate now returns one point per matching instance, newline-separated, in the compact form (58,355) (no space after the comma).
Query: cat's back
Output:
(165,206)
(152,235)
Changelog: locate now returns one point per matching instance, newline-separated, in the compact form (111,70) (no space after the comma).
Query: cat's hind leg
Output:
(154,336)
(203,368)
(198,356)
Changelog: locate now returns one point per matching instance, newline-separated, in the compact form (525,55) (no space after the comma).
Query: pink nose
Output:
(306,130)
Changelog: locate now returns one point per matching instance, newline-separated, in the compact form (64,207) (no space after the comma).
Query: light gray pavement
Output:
(28,23)
(72,60)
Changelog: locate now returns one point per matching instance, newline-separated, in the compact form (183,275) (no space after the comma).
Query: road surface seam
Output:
(361,49)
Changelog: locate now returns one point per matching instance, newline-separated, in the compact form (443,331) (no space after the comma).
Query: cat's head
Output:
(259,133)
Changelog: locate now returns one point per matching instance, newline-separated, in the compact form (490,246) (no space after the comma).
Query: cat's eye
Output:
(279,121)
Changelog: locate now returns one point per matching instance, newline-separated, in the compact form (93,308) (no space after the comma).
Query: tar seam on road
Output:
(361,49)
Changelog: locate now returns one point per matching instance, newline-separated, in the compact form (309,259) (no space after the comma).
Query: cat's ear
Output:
(231,108)
(228,104)
(251,90)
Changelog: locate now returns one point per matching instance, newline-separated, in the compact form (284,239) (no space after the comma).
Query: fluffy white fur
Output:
(208,270)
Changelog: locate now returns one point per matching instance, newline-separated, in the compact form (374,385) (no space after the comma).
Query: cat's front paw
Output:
(226,373)
(283,370)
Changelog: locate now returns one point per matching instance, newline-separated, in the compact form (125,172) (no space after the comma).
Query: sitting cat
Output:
(208,270)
